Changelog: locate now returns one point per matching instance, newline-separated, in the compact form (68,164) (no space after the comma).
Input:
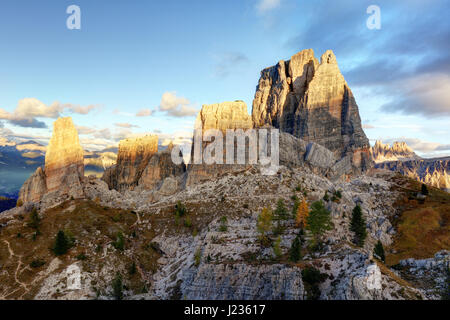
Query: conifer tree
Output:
(294,253)
(358,226)
(318,220)
(379,251)
(302,214)
(61,244)
(424,189)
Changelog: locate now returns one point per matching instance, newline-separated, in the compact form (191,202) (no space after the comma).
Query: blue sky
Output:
(163,59)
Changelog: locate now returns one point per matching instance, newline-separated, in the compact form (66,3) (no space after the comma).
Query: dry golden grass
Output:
(422,228)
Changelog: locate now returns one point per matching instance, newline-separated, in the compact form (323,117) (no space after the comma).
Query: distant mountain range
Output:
(18,160)
(401,158)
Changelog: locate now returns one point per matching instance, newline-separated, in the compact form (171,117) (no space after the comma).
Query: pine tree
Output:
(294,253)
(117,286)
(358,226)
(424,189)
(34,219)
(379,251)
(302,214)
(318,220)
(281,212)
(61,244)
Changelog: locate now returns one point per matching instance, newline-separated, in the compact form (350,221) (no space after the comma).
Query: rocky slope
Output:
(312,101)
(201,255)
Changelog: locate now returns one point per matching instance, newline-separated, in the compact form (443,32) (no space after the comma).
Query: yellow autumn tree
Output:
(264,223)
(302,214)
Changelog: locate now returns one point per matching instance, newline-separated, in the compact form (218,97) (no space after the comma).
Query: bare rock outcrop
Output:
(312,101)
(140,166)
(132,158)
(34,187)
(64,166)
(64,162)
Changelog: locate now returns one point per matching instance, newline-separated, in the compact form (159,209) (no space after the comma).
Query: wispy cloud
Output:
(267,5)
(144,113)
(29,109)
(125,125)
(176,106)
(228,62)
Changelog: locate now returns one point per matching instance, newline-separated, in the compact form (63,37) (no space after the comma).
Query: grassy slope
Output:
(422,228)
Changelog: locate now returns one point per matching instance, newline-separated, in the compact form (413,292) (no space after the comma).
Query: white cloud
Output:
(125,125)
(267,5)
(144,113)
(28,109)
(176,106)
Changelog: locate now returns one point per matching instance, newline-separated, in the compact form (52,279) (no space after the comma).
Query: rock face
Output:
(34,188)
(399,151)
(140,166)
(64,165)
(312,101)
(64,162)
(225,115)
(220,116)
(132,158)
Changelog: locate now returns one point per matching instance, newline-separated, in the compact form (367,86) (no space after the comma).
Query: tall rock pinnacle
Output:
(64,166)
(64,156)
(312,101)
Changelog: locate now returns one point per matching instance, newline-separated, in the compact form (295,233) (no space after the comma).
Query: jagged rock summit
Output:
(399,151)
(312,101)
(64,165)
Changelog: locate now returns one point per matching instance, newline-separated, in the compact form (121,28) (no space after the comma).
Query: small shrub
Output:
(34,219)
(379,251)
(197,257)
(132,270)
(298,188)
(326,198)
(37,263)
(19,203)
(81,257)
(277,248)
(119,244)
(264,222)
(180,209)
(117,286)
(187,222)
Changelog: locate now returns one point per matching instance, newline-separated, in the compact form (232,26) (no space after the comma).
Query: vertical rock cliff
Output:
(64,165)
(312,101)
(140,166)
(132,158)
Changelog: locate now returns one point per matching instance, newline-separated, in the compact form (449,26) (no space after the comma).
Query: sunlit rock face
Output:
(132,158)
(64,160)
(219,116)
(225,115)
(399,151)
(64,166)
(312,101)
